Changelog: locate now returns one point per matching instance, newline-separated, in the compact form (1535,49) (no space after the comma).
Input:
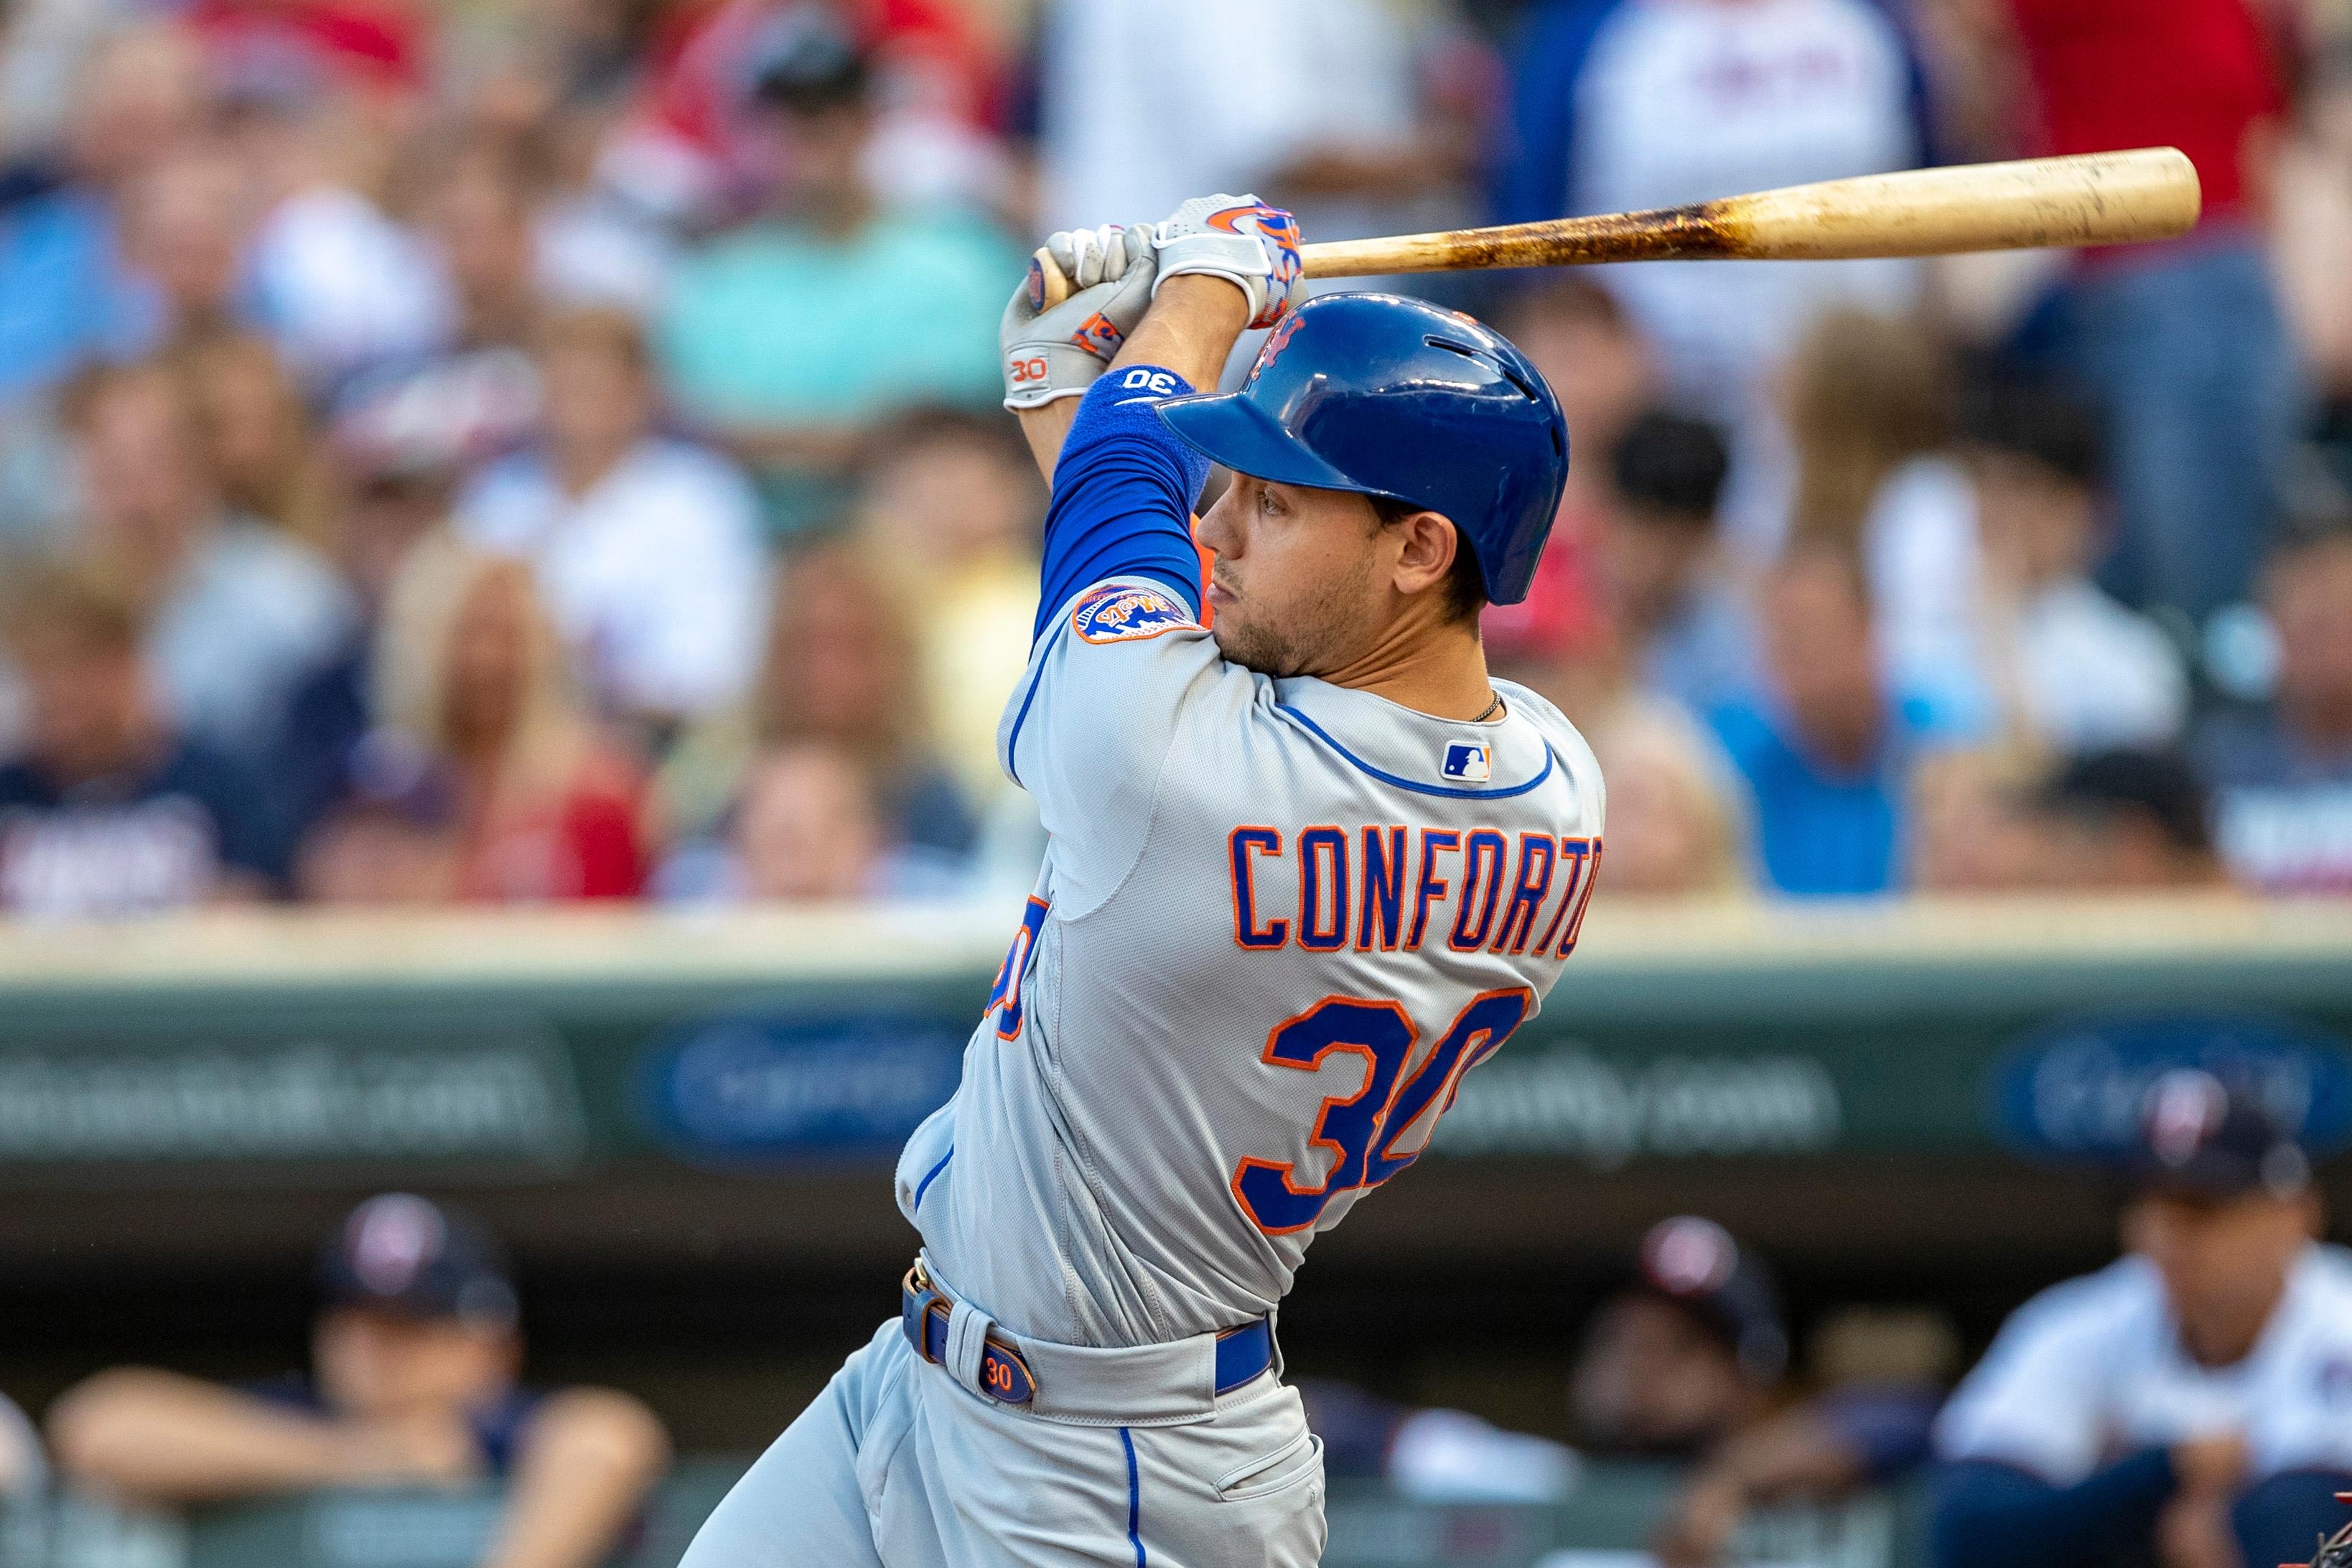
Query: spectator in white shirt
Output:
(648,550)
(1623,104)
(2079,672)
(1345,87)
(331,276)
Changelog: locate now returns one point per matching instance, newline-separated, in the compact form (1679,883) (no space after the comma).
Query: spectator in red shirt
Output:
(470,667)
(2184,344)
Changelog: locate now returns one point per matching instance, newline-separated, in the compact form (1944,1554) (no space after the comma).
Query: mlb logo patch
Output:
(1468,761)
(1129,614)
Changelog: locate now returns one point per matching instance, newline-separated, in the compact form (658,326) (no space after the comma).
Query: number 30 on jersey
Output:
(1362,1130)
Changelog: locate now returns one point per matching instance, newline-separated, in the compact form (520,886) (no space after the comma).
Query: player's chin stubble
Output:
(1311,639)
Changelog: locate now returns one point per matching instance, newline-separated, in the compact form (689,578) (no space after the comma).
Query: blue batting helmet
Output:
(1388,397)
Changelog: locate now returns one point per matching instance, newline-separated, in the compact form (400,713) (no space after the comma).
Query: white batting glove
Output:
(1241,239)
(1059,353)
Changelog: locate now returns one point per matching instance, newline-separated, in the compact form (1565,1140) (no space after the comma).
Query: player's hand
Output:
(1252,246)
(1059,353)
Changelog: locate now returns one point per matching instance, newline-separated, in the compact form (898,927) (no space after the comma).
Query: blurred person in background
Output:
(1687,1350)
(71,299)
(1376,108)
(1826,750)
(2124,820)
(2078,671)
(950,500)
(2183,344)
(829,309)
(478,216)
(1577,336)
(1627,104)
(416,1353)
(470,669)
(1879,1375)
(258,436)
(107,809)
(336,283)
(395,457)
(2110,821)
(1687,1360)
(840,670)
(237,610)
(1686,628)
(809,823)
(386,835)
(1871,408)
(2185,1407)
(186,220)
(1677,826)
(939,96)
(2282,776)
(647,549)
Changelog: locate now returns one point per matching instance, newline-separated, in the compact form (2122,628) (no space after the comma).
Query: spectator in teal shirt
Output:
(789,335)
(1825,748)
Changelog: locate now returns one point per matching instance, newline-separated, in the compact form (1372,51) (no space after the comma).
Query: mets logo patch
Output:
(1129,614)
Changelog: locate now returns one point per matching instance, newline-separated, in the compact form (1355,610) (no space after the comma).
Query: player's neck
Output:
(1428,666)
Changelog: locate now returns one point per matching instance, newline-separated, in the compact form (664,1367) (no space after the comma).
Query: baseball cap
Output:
(807,61)
(404,1254)
(1696,1264)
(2202,1137)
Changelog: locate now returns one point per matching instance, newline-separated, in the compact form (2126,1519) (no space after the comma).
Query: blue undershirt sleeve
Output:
(1124,491)
(1991,1515)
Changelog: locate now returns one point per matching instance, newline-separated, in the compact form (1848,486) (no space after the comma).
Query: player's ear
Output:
(1426,550)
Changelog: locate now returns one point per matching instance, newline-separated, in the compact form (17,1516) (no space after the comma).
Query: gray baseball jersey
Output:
(1278,921)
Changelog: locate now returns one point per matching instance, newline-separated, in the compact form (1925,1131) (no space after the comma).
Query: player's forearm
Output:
(1045,428)
(161,1437)
(1191,329)
(590,1460)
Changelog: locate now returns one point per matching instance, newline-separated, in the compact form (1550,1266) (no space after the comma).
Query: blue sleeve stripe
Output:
(1123,495)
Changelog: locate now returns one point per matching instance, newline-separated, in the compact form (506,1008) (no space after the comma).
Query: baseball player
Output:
(1308,866)
(2189,1406)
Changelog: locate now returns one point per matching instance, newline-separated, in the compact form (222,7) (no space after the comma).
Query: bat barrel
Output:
(2096,198)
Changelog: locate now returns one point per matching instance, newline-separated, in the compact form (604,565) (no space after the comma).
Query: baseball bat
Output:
(2089,199)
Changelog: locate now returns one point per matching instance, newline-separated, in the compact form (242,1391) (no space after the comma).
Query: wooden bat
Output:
(2091,198)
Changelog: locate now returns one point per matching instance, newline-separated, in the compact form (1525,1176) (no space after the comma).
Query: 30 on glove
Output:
(1240,238)
(1059,352)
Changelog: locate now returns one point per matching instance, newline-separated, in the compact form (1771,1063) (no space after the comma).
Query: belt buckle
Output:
(919,1283)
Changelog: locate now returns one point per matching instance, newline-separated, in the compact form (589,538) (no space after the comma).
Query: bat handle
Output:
(1048,284)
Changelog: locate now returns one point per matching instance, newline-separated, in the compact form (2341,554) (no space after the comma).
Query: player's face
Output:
(2223,1262)
(380,1365)
(1302,580)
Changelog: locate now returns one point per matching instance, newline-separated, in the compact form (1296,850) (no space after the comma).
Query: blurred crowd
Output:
(527,450)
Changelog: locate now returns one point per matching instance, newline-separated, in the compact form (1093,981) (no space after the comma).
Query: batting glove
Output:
(1058,353)
(1241,239)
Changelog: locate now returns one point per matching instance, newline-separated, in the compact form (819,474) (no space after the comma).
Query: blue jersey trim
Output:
(1444,790)
(1134,1499)
(1012,742)
(925,1185)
